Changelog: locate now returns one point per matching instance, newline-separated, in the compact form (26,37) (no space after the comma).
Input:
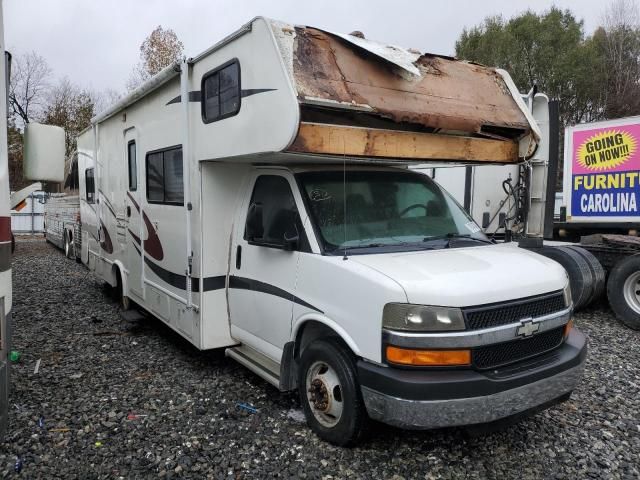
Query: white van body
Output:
(167,199)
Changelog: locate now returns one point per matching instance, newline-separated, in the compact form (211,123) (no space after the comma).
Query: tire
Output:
(597,271)
(580,278)
(337,415)
(68,248)
(118,292)
(623,291)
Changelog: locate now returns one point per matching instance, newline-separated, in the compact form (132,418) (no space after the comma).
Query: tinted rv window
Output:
(155,177)
(164,176)
(221,92)
(173,186)
(90,185)
(133,168)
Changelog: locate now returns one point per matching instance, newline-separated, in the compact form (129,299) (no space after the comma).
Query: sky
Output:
(96,42)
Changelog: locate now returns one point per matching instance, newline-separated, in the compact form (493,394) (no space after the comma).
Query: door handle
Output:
(238,257)
(128,210)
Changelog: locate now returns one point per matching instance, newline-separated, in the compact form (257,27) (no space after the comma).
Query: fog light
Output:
(433,358)
(567,328)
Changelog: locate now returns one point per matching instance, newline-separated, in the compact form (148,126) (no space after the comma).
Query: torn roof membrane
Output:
(349,75)
(396,55)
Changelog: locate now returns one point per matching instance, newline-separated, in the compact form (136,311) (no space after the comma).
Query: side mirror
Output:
(291,242)
(254,228)
(44,153)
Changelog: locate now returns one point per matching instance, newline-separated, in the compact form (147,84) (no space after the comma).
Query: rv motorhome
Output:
(257,197)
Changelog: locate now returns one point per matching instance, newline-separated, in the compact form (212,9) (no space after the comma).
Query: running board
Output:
(258,363)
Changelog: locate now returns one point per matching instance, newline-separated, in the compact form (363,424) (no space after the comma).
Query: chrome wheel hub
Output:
(631,290)
(324,394)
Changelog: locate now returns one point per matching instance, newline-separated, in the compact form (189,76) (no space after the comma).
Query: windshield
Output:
(385,210)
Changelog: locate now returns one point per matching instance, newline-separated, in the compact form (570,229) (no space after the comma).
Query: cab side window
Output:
(280,219)
(90,186)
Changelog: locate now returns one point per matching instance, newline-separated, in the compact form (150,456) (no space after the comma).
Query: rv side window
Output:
(133,166)
(90,186)
(221,92)
(164,176)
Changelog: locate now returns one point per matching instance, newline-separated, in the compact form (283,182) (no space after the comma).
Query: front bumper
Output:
(422,399)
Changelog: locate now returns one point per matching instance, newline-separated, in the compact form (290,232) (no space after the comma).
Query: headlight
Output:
(567,295)
(421,318)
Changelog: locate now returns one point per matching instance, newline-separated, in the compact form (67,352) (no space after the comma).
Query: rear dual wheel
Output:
(586,275)
(580,277)
(623,291)
(330,392)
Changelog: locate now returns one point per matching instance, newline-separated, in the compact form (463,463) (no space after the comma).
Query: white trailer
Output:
(61,221)
(257,198)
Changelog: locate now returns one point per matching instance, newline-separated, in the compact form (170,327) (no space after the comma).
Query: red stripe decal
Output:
(5,229)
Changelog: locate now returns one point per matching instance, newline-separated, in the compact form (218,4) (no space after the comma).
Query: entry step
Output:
(258,363)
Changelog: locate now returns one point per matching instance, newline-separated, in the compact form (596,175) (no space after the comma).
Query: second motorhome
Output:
(258,198)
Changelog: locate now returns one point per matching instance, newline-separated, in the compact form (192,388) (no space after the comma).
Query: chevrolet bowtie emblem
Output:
(527,328)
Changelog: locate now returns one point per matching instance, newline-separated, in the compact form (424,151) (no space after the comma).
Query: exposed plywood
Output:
(447,94)
(325,139)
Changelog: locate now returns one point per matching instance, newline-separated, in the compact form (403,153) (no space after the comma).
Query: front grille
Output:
(493,356)
(510,312)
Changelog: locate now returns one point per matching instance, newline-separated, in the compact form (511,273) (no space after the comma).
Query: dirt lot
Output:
(113,399)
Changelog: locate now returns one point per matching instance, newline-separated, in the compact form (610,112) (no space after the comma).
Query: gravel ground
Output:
(113,399)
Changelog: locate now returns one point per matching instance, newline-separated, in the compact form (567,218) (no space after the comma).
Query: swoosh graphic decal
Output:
(180,281)
(196,95)
(106,244)
(133,200)
(258,286)
(219,283)
(152,243)
(107,203)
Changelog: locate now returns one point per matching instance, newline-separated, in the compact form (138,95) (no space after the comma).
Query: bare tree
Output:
(14,150)
(620,40)
(30,79)
(71,108)
(159,50)
(106,99)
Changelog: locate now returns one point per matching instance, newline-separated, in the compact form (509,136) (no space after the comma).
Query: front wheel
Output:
(330,393)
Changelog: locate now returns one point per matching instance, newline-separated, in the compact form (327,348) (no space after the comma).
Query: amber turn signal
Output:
(567,328)
(433,358)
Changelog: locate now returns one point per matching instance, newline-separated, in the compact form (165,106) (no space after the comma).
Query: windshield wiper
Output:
(453,236)
(369,245)
(381,245)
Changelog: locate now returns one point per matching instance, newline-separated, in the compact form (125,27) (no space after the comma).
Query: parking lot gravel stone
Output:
(113,399)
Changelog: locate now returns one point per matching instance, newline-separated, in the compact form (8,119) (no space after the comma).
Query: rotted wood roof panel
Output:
(446,94)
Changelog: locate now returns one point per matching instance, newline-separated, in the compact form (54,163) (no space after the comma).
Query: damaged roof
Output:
(342,73)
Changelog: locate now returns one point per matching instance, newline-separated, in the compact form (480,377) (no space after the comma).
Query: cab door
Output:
(133,215)
(263,268)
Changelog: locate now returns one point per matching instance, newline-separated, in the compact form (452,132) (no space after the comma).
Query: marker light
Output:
(433,358)
(567,328)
